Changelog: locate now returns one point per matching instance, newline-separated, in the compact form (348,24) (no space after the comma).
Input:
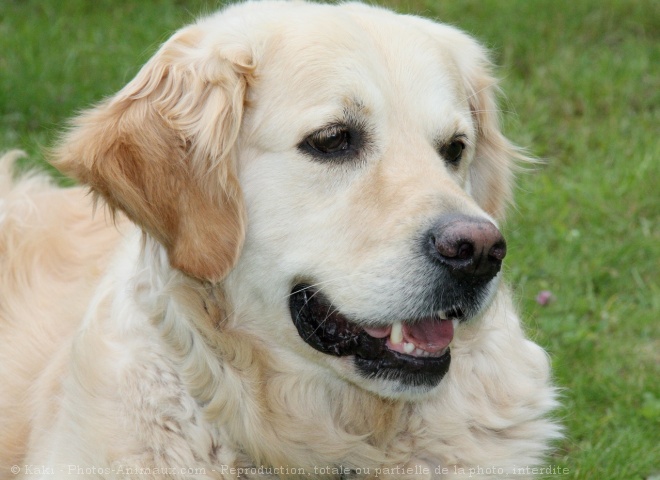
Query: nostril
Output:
(452,248)
(498,251)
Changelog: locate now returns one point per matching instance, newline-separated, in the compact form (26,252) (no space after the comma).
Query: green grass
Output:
(583,92)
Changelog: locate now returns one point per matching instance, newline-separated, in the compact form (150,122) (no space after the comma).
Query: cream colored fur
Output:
(162,346)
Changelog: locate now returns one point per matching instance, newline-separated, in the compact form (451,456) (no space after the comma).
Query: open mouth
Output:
(414,352)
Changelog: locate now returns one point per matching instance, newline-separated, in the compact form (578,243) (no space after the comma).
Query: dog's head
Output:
(338,169)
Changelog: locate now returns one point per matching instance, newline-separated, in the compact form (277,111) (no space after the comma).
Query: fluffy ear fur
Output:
(491,173)
(161,151)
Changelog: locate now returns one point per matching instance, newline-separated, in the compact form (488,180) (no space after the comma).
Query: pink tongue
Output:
(431,334)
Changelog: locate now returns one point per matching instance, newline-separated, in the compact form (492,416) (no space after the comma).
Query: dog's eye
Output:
(331,140)
(452,152)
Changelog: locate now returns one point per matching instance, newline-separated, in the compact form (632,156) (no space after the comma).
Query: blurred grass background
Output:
(582,80)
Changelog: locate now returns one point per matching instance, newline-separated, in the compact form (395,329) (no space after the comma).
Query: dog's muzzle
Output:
(464,256)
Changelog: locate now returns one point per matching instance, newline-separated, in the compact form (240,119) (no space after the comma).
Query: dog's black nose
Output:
(470,248)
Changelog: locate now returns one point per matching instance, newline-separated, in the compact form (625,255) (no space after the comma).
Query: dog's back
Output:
(52,253)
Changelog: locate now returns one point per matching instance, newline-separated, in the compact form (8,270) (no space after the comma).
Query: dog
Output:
(298,272)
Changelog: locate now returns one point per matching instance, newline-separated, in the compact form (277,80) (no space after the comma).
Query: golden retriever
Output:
(303,273)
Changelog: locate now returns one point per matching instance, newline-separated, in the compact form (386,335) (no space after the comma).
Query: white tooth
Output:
(442,315)
(408,347)
(454,321)
(396,335)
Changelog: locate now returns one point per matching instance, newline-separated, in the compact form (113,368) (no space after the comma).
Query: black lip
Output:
(405,369)
(323,328)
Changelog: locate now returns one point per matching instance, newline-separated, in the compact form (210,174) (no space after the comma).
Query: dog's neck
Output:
(263,403)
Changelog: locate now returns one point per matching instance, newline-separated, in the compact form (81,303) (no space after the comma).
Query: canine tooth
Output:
(454,321)
(408,347)
(396,335)
(442,315)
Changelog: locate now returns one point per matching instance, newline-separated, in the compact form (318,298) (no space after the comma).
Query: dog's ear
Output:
(161,150)
(491,172)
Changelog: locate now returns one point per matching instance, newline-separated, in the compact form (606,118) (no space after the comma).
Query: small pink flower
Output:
(544,297)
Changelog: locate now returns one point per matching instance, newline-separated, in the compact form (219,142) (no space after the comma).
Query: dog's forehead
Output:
(351,47)
(352,54)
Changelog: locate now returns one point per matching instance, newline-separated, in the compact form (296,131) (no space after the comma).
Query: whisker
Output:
(497,110)
(473,94)
(327,316)
(316,285)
